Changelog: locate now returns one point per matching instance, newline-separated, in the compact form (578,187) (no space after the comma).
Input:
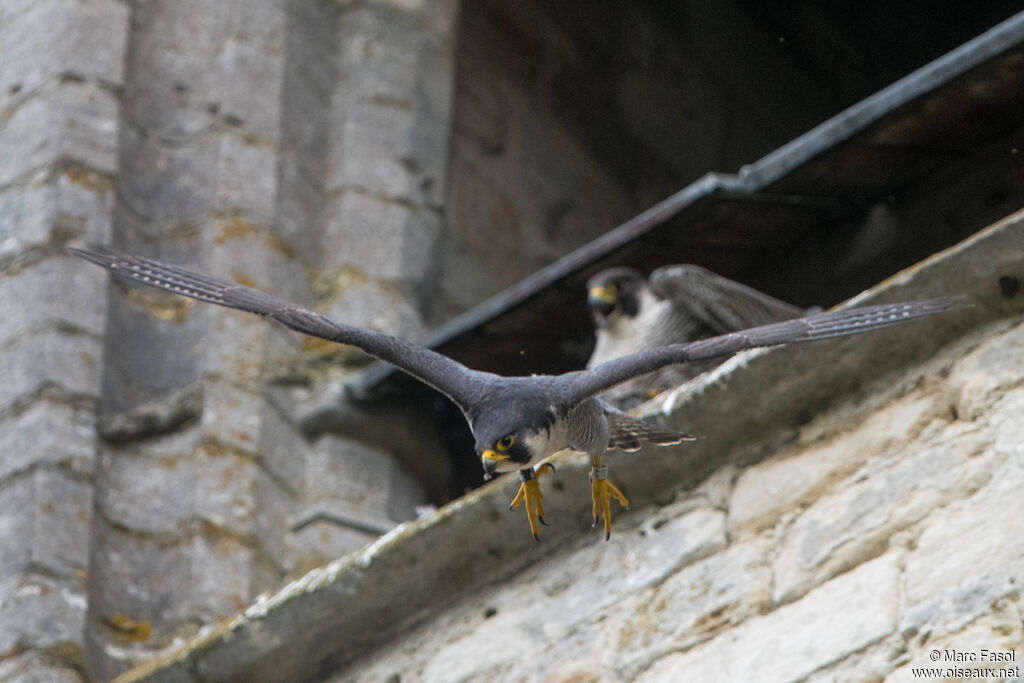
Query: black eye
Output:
(505,442)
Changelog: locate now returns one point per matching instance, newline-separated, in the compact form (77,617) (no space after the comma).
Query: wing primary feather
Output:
(440,372)
(578,386)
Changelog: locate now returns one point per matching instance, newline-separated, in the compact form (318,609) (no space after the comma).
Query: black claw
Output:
(536,537)
(541,520)
(552,468)
(608,536)
(511,508)
(594,523)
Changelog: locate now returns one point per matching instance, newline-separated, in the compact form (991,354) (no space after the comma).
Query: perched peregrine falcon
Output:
(677,304)
(519,422)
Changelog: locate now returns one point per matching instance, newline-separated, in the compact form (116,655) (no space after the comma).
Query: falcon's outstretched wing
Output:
(582,384)
(440,372)
(720,303)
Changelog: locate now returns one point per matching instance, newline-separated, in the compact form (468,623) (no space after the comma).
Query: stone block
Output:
(70,361)
(283,450)
(859,608)
(27,215)
(767,490)
(42,212)
(231,415)
(254,254)
(320,542)
(404,243)
(890,493)
(538,611)
(225,489)
(984,373)
(298,203)
(50,293)
(349,480)
(991,639)
(142,325)
(950,609)
(273,518)
(169,484)
(91,45)
(40,611)
(45,516)
(393,107)
(76,121)
(372,151)
(252,85)
(247,175)
(406,429)
(870,664)
(393,115)
(149,486)
(84,200)
(988,524)
(168,183)
(47,433)
(173,91)
(375,305)
(35,667)
(178,583)
(691,605)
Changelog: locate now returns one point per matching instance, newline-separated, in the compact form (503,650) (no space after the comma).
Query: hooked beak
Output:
(601,300)
(490,461)
(601,295)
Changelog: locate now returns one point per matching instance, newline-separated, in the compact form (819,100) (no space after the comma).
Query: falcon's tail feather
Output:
(629,434)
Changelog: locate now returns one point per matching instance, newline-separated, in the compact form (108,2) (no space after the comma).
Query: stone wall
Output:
(300,147)
(60,80)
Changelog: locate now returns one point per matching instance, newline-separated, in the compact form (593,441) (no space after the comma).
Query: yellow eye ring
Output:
(505,442)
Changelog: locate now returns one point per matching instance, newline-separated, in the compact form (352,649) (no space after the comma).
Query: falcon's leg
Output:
(529,491)
(603,492)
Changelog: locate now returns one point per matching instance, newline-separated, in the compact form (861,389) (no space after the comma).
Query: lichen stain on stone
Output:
(242,279)
(710,621)
(133,630)
(391,102)
(328,285)
(234,226)
(88,180)
(162,305)
(319,346)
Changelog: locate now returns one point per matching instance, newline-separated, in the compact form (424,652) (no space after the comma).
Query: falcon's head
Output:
(513,427)
(614,292)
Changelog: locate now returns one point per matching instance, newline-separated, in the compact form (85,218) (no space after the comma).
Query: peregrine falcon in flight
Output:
(677,304)
(519,422)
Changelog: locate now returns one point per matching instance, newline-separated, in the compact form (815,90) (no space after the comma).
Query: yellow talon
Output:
(603,492)
(529,491)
